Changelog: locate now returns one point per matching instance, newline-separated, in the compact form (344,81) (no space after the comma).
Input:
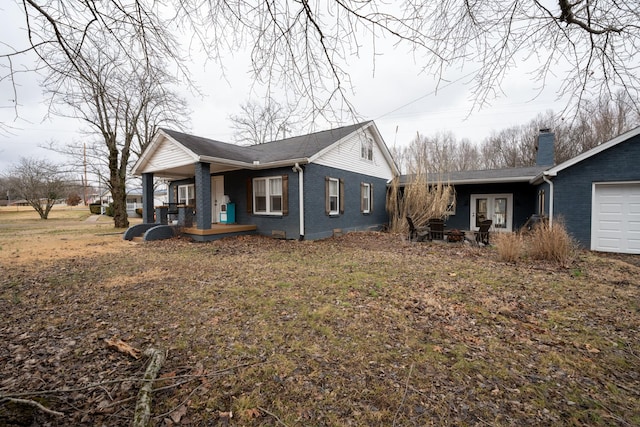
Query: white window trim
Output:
(366,149)
(267,181)
(190,190)
(337,196)
(366,195)
(509,217)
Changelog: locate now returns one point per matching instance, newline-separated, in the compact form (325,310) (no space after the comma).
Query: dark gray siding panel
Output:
(524,202)
(235,186)
(573,186)
(319,225)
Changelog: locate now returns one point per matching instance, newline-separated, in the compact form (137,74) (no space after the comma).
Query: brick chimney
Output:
(545,148)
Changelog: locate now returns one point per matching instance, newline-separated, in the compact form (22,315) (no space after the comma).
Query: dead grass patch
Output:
(510,246)
(360,330)
(551,243)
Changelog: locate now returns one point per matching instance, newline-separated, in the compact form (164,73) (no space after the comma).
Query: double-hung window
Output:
(334,196)
(365,197)
(187,195)
(267,195)
(366,149)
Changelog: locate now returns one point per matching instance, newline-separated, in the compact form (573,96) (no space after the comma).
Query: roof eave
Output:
(491,181)
(538,179)
(254,165)
(280,163)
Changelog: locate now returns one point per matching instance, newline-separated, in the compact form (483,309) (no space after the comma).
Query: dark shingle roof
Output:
(303,146)
(523,174)
(298,147)
(212,148)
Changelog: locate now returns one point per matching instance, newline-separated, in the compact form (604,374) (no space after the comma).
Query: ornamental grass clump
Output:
(420,199)
(551,243)
(509,246)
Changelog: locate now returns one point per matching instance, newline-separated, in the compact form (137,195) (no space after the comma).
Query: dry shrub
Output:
(421,200)
(551,243)
(509,246)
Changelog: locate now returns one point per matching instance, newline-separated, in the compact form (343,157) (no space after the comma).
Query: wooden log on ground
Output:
(142,413)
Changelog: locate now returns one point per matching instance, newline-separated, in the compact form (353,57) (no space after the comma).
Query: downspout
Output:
(548,181)
(297,168)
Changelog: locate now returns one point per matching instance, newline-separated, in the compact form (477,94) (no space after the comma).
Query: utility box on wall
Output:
(228,213)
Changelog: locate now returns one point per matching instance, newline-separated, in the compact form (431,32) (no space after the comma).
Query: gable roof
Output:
(553,171)
(299,149)
(304,146)
(204,147)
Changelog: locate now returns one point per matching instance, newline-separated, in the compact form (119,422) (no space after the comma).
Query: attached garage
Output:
(615,217)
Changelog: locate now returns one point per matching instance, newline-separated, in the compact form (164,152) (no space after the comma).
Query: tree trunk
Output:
(117,182)
(119,194)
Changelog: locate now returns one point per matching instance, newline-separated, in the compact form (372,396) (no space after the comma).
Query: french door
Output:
(496,207)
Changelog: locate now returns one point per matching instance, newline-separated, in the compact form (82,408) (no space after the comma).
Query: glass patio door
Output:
(496,207)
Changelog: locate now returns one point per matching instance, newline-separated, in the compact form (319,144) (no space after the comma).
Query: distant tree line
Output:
(596,122)
(40,184)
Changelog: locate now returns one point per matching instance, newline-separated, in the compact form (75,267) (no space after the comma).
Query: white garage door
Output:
(615,219)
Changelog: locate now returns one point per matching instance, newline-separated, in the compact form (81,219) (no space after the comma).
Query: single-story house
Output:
(596,194)
(305,187)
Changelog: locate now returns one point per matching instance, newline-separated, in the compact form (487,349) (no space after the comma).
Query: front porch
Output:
(164,227)
(195,213)
(218,231)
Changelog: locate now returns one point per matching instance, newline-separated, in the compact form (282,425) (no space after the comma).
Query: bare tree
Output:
(437,154)
(258,124)
(304,46)
(468,157)
(122,106)
(597,121)
(39,182)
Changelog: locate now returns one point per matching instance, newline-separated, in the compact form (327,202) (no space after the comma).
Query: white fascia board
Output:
(553,172)
(383,147)
(596,150)
(280,163)
(148,152)
(540,177)
(489,181)
(479,181)
(145,154)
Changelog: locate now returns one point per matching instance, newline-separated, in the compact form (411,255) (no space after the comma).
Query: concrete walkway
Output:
(93,218)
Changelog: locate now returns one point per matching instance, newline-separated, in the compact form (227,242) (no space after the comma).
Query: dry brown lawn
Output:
(363,330)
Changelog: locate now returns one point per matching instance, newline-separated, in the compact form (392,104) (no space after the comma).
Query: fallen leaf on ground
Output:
(177,415)
(252,413)
(123,347)
(591,349)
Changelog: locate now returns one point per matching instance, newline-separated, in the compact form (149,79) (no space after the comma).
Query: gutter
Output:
(297,168)
(548,181)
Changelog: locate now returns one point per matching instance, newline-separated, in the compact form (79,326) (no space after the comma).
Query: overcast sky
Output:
(400,99)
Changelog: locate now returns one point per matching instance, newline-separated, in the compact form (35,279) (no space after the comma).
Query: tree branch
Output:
(31,403)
